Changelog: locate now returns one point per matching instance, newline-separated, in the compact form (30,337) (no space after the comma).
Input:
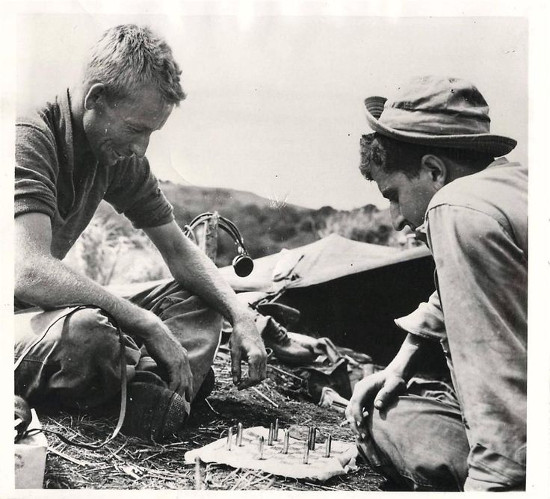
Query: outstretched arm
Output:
(45,281)
(198,274)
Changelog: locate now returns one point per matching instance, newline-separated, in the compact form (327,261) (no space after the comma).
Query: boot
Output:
(153,412)
(284,347)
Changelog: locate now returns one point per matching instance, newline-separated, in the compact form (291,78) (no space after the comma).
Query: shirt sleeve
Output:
(135,192)
(36,169)
(426,321)
(482,281)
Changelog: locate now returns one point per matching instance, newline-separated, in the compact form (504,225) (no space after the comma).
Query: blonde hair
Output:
(129,56)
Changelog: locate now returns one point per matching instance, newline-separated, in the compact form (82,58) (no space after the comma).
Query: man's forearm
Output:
(406,361)
(47,282)
(204,279)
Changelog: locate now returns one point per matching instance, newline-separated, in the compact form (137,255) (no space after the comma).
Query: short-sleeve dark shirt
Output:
(48,181)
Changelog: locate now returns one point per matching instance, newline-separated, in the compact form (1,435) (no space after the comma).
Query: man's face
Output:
(121,128)
(408,197)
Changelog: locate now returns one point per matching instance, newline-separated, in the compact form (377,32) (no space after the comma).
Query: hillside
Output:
(217,198)
(111,251)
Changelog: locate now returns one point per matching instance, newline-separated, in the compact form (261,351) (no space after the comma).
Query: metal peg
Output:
(305,458)
(271,433)
(239,435)
(229,438)
(312,438)
(276,431)
(286,442)
(261,447)
(328,444)
(198,479)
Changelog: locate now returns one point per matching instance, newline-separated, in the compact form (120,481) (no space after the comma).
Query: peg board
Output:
(342,456)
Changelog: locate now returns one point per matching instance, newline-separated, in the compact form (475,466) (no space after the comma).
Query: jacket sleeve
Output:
(36,170)
(426,321)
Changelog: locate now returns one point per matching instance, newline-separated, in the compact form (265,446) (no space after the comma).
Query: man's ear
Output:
(436,168)
(94,96)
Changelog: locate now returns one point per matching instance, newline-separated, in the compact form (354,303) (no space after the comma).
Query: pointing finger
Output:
(236,366)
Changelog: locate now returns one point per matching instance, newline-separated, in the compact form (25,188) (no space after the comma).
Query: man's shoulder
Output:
(45,128)
(43,116)
(501,179)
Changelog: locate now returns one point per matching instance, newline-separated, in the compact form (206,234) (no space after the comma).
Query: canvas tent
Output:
(325,260)
(348,291)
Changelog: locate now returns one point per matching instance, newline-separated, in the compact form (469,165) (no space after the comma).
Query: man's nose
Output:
(398,221)
(139,146)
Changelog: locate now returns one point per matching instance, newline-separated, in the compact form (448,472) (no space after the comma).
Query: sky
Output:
(275,102)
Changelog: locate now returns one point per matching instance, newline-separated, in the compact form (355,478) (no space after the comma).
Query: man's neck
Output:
(457,170)
(80,142)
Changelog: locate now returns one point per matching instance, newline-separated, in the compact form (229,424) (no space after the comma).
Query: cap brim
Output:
(495,145)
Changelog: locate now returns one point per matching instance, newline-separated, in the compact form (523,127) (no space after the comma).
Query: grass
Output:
(130,463)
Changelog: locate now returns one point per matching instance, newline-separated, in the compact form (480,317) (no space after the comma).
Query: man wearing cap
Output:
(433,157)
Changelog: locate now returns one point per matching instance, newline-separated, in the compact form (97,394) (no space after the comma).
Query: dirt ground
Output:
(130,463)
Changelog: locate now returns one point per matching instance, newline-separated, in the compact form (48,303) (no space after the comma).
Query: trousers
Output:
(419,442)
(76,364)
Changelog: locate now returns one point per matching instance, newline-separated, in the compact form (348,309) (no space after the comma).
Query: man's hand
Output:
(247,344)
(382,388)
(198,274)
(170,356)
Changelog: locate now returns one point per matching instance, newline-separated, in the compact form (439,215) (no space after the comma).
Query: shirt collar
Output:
(421,231)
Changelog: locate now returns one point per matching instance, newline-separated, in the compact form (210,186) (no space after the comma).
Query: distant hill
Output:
(266,228)
(215,197)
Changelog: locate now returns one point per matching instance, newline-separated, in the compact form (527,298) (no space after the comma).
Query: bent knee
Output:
(89,329)
(414,422)
(77,360)
(425,440)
